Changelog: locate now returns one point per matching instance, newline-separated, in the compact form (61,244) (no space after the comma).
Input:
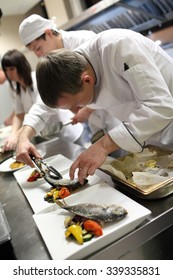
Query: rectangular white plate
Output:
(35,191)
(50,222)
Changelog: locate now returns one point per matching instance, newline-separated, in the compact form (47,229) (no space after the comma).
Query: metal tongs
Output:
(47,172)
(52,176)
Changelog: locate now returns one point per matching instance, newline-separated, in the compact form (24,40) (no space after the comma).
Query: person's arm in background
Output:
(9,120)
(11,141)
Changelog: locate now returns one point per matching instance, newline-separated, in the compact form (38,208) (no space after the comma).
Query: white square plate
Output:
(35,191)
(50,222)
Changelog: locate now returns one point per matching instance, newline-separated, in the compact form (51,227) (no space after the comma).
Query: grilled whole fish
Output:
(96,212)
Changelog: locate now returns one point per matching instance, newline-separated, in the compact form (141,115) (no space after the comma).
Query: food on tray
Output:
(34,176)
(62,189)
(142,170)
(88,219)
(16,164)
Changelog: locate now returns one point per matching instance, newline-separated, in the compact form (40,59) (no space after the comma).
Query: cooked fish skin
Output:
(72,184)
(96,212)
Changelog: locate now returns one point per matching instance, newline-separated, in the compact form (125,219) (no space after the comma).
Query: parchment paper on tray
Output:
(144,171)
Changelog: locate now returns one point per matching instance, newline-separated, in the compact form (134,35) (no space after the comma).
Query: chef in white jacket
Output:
(124,73)
(40,35)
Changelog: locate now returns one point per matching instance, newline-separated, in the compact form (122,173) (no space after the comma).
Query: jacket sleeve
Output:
(38,116)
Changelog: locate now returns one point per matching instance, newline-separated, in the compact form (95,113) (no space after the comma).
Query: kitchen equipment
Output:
(124,170)
(45,169)
(53,129)
(61,124)
(4,227)
(6,249)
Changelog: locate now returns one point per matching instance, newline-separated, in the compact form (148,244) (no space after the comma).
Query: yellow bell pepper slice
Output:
(76,231)
(55,195)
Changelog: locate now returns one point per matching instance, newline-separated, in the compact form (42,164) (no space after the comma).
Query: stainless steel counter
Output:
(27,242)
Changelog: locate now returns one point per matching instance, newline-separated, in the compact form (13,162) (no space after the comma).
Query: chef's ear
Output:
(48,32)
(87,79)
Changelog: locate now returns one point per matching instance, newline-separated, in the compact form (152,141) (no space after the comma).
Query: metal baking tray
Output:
(162,160)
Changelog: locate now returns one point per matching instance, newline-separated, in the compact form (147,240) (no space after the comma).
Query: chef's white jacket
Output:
(24,101)
(135,85)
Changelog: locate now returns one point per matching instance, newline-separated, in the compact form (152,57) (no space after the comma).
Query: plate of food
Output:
(40,193)
(11,165)
(108,215)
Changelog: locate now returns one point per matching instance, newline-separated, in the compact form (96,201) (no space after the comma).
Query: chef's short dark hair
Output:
(59,72)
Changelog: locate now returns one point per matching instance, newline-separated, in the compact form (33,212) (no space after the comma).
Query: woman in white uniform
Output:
(24,88)
(123,72)
(40,35)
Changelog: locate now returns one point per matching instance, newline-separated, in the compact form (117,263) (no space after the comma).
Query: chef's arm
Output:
(27,133)
(25,147)
(37,116)
(107,144)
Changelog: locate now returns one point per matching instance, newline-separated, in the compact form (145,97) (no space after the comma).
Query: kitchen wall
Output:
(58,12)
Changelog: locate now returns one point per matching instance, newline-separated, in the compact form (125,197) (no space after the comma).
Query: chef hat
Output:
(33,27)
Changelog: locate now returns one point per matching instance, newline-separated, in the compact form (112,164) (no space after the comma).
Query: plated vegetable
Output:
(88,219)
(81,229)
(62,190)
(55,194)
(34,176)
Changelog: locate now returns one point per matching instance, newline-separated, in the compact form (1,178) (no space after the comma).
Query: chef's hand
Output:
(23,151)
(82,115)
(92,158)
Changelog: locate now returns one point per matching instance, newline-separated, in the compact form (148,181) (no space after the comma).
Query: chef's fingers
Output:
(91,170)
(85,171)
(73,168)
(7,147)
(25,156)
(82,174)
